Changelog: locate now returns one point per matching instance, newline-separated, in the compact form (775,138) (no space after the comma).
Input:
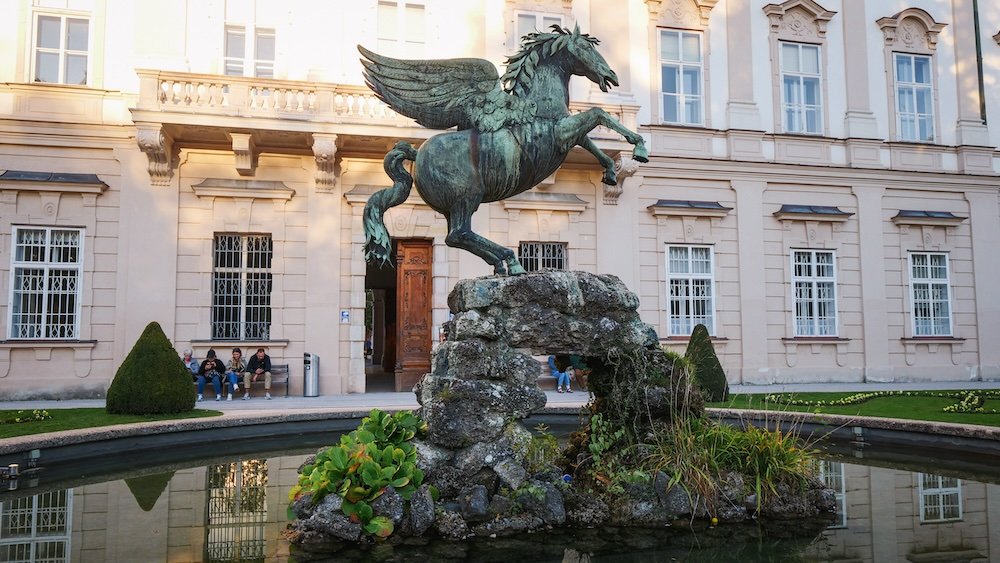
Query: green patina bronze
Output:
(512,132)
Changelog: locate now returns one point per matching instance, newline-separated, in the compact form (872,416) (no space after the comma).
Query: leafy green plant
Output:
(708,372)
(606,453)
(375,456)
(152,379)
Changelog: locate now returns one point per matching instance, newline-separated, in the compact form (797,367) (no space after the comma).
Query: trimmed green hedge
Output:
(708,372)
(152,379)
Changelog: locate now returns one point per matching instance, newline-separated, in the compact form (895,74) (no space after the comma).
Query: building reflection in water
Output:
(36,528)
(235,512)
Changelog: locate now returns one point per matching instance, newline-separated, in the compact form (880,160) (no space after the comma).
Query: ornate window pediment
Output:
(799,20)
(691,14)
(912,30)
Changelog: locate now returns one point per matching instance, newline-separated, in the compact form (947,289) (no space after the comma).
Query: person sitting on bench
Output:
(211,369)
(259,365)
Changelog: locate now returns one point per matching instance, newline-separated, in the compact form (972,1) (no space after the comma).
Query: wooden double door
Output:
(414,291)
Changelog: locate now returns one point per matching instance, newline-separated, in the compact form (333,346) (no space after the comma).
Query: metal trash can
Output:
(310,371)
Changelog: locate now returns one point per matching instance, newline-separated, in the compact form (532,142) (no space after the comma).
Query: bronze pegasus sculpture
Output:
(512,132)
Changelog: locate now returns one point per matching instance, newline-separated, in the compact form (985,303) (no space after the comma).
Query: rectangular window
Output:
(36,528)
(940,498)
(914,97)
(680,77)
(262,46)
(931,294)
(61,49)
(534,256)
(800,88)
(831,473)
(46,270)
(815,288)
(529,22)
(401,29)
(241,287)
(690,278)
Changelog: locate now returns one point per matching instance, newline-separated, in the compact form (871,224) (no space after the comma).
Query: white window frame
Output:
(397,43)
(46,265)
(250,66)
(63,50)
(832,474)
(799,108)
(683,324)
(940,492)
(929,302)
(547,255)
(48,525)
(814,281)
(540,25)
(682,99)
(911,87)
(244,326)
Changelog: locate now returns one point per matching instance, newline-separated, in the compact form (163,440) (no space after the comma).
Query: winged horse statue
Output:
(512,132)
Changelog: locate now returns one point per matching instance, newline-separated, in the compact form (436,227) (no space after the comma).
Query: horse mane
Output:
(534,47)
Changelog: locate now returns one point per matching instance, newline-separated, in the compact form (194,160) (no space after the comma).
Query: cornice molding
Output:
(252,189)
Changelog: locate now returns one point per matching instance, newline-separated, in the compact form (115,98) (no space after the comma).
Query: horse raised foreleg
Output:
(574,126)
(610,178)
(460,235)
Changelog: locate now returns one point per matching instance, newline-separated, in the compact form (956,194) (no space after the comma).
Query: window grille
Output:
(832,475)
(815,291)
(930,292)
(800,79)
(940,498)
(690,278)
(914,97)
(680,77)
(535,256)
(237,511)
(61,49)
(37,528)
(46,271)
(241,287)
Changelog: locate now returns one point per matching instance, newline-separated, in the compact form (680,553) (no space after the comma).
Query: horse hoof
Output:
(515,269)
(610,179)
(640,153)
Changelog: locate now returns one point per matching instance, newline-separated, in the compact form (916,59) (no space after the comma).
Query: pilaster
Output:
(859,121)
(753,305)
(984,219)
(741,110)
(875,319)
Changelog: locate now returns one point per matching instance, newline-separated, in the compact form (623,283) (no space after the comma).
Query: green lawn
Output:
(913,408)
(71,419)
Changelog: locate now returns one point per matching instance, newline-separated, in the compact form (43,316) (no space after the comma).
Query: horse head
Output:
(587,61)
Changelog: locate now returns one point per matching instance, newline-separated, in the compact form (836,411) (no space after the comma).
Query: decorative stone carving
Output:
(325,149)
(912,29)
(997,38)
(681,13)
(159,149)
(245,151)
(798,19)
(625,167)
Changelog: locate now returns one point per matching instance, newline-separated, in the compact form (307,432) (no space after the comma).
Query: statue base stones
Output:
(483,382)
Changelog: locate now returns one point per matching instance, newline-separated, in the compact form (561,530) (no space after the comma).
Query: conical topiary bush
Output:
(147,489)
(152,379)
(708,372)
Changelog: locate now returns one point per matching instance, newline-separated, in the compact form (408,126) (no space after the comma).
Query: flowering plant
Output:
(968,401)
(19,417)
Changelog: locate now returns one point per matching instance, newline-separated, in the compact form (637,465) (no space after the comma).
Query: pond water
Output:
(227,502)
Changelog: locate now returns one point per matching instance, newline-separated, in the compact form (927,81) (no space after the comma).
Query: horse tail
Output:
(378,247)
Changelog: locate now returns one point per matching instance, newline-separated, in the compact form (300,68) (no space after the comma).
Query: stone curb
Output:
(83,435)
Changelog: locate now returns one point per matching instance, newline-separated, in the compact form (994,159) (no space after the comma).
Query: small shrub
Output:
(152,379)
(375,456)
(543,450)
(708,372)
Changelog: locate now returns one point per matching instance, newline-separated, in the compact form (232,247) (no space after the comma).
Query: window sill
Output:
(246,344)
(814,339)
(932,340)
(676,339)
(35,344)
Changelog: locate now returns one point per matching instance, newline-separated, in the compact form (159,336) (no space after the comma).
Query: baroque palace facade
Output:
(823,191)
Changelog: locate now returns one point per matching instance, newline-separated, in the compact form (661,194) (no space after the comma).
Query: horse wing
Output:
(438,94)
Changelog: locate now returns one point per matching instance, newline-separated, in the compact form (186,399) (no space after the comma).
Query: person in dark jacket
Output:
(259,365)
(211,369)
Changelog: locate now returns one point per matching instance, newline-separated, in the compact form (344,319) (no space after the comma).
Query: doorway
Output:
(398,318)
